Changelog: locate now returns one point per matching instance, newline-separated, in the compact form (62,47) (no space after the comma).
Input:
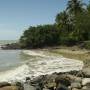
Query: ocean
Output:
(7,41)
(16,65)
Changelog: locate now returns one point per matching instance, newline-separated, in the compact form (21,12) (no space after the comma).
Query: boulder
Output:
(10,88)
(85,81)
(64,80)
(86,72)
(51,85)
(37,80)
(3,84)
(61,87)
(76,85)
(76,89)
(45,89)
(11,46)
(19,85)
(29,87)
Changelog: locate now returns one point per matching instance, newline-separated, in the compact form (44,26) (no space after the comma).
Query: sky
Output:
(17,15)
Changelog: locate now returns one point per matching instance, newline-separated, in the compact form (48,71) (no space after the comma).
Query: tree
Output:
(75,6)
(88,8)
(63,22)
(40,36)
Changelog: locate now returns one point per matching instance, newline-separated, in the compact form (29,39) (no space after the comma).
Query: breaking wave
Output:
(44,63)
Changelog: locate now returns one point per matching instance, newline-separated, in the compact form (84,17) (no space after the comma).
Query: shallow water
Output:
(11,58)
(15,65)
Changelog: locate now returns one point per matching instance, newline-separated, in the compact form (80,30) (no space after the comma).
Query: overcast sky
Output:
(18,15)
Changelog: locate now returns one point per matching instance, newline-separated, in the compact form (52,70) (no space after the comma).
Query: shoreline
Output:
(72,80)
(55,64)
(82,76)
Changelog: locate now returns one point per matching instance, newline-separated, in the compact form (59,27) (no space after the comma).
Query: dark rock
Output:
(73,72)
(61,87)
(64,80)
(3,84)
(11,46)
(51,85)
(37,80)
(28,78)
(20,85)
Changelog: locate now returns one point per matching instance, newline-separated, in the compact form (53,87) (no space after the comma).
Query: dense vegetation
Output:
(71,26)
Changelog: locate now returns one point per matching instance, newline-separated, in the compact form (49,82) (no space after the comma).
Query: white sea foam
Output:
(17,74)
(46,65)
(34,53)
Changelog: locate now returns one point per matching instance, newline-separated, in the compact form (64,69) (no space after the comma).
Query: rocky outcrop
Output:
(9,86)
(3,84)
(10,46)
(74,80)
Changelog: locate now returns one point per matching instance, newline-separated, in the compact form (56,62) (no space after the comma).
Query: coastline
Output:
(72,74)
(48,64)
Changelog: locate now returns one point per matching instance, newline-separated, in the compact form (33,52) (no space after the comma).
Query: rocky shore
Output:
(10,46)
(73,80)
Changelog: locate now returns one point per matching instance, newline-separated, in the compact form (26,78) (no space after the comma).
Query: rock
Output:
(74,78)
(38,88)
(38,80)
(3,84)
(61,87)
(85,81)
(76,85)
(51,85)
(10,88)
(86,72)
(76,89)
(78,79)
(84,88)
(29,87)
(73,72)
(50,78)
(20,85)
(28,79)
(11,46)
(45,89)
(64,80)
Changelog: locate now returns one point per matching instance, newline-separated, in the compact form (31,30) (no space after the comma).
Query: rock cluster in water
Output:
(10,46)
(74,80)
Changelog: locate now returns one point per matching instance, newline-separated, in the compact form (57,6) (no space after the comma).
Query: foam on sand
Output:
(46,65)
(34,53)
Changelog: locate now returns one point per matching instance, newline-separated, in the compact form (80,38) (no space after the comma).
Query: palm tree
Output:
(75,6)
(63,21)
(62,18)
(88,7)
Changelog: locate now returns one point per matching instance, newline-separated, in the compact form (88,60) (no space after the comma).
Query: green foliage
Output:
(72,26)
(82,27)
(40,36)
(86,44)
(75,6)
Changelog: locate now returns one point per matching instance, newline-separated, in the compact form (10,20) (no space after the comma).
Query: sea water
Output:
(16,65)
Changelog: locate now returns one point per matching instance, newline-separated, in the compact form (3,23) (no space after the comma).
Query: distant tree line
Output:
(71,27)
